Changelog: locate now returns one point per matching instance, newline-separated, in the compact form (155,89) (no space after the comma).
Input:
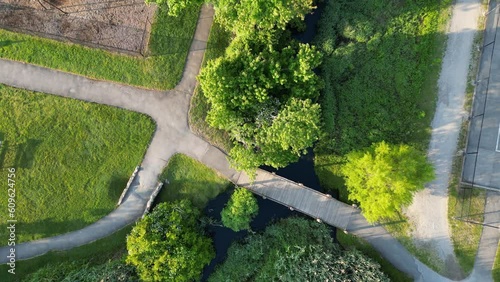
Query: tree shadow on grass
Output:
(3,149)
(116,186)
(198,192)
(41,229)
(173,45)
(6,43)
(25,153)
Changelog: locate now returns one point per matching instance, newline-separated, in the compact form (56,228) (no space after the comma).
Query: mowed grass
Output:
(72,160)
(190,179)
(217,43)
(169,44)
(95,253)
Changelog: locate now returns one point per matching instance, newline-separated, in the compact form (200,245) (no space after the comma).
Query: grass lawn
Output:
(98,252)
(169,44)
(217,43)
(190,179)
(72,160)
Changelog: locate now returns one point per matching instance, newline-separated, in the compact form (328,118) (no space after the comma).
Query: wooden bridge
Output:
(300,198)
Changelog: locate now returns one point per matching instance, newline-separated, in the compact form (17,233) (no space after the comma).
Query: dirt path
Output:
(429,211)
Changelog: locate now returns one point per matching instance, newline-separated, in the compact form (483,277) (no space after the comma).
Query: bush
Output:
(168,245)
(384,177)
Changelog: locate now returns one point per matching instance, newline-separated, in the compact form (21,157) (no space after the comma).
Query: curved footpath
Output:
(169,110)
(429,210)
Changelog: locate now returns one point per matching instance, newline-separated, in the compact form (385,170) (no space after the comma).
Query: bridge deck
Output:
(299,197)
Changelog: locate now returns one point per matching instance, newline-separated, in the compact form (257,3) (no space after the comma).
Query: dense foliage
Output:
(384,177)
(168,245)
(240,209)
(176,7)
(263,91)
(263,95)
(247,16)
(377,55)
(71,271)
(113,271)
(295,249)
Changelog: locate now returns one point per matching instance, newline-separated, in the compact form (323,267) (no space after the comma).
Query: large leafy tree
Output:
(263,96)
(240,209)
(176,7)
(295,249)
(167,245)
(384,177)
(246,16)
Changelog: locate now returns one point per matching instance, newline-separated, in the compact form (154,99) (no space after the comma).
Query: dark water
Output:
(269,211)
(311,21)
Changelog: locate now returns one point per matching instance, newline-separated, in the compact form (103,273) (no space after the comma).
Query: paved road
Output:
(169,109)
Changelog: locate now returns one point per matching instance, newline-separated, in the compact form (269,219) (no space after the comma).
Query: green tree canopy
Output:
(168,245)
(176,7)
(295,249)
(246,16)
(263,96)
(384,177)
(240,209)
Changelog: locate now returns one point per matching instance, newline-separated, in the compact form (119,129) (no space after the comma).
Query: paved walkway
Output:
(169,109)
(429,210)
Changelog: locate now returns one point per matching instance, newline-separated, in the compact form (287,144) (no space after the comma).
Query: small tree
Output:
(176,7)
(167,245)
(240,210)
(384,177)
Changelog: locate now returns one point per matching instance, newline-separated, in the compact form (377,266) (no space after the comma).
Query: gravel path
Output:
(429,210)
